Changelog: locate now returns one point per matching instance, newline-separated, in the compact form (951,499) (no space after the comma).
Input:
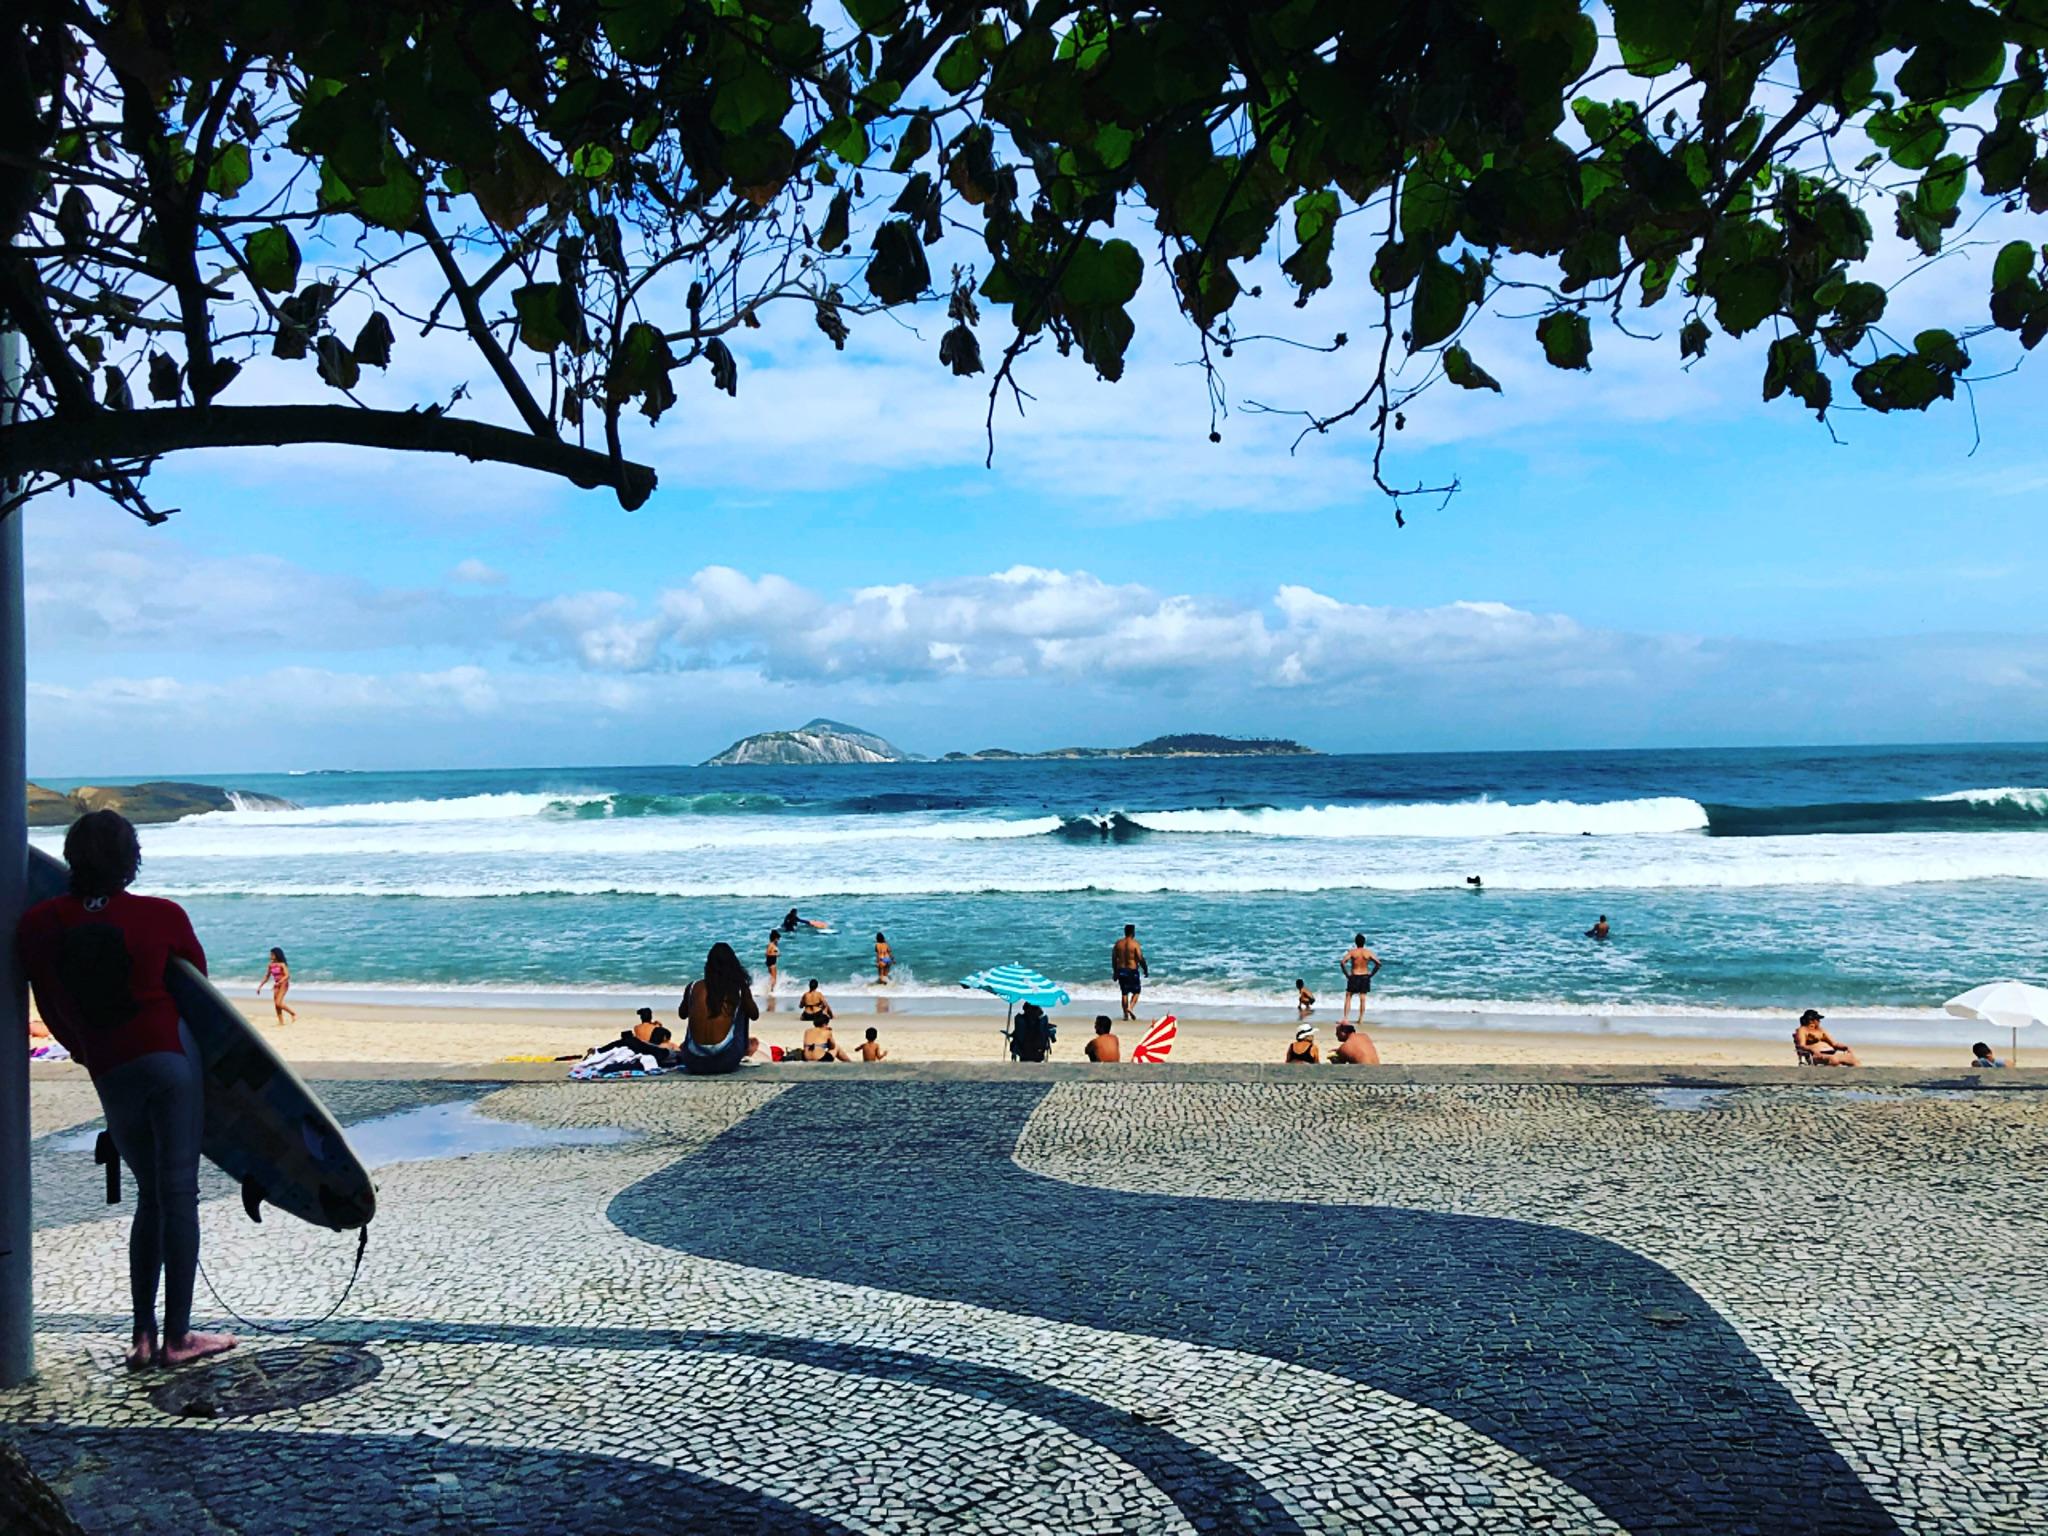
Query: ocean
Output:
(1744,882)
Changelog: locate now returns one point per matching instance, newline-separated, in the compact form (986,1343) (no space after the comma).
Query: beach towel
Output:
(1158,1041)
(616,1061)
(48,1050)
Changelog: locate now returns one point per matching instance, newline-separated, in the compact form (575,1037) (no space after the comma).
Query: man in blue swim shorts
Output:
(1127,964)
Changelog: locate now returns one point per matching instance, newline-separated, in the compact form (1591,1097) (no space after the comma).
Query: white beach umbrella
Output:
(2007,1004)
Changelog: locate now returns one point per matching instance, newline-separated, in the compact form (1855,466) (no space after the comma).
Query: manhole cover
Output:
(262,1381)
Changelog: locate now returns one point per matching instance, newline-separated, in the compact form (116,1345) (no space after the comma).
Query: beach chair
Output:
(1805,1056)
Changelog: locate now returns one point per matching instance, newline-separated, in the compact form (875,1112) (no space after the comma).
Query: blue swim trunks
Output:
(1130,983)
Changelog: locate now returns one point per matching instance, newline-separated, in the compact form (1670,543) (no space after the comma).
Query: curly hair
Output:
(104,853)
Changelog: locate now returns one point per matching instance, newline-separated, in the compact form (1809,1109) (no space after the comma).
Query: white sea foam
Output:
(1484,817)
(2031,799)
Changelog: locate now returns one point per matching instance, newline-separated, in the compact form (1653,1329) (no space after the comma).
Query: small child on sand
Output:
(871,1048)
(1304,999)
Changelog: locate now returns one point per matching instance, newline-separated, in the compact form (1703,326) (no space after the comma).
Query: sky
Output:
(1637,556)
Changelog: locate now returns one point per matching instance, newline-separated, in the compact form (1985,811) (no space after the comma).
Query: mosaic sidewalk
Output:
(1003,1306)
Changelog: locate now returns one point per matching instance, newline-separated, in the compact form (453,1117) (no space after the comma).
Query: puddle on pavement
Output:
(429,1132)
(461,1130)
(1686,1099)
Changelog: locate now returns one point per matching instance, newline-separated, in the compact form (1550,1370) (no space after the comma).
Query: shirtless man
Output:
(1599,930)
(1354,1049)
(1359,965)
(1812,1038)
(1105,1046)
(1127,964)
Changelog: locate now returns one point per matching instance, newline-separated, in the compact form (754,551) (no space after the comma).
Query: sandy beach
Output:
(401,1032)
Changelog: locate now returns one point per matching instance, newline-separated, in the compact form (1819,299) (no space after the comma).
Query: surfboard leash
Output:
(362,1246)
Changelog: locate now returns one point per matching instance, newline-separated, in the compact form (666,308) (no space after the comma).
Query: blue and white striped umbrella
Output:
(1019,984)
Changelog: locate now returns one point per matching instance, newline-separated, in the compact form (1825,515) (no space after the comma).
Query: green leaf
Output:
(638,28)
(1654,34)
(1745,296)
(640,367)
(1441,298)
(593,161)
(229,172)
(543,315)
(1941,188)
(959,67)
(832,233)
(881,17)
(1942,350)
(846,138)
(1466,374)
(915,144)
(1102,273)
(1692,339)
(1791,366)
(398,201)
(2004,156)
(1567,339)
(273,258)
(2015,261)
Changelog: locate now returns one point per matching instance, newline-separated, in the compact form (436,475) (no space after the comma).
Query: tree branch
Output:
(68,443)
(538,421)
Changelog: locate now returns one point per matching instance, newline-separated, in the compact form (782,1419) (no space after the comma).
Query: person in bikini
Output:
(715,1013)
(1127,964)
(1359,966)
(819,1045)
(774,954)
(1304,1000)
(884,961)
(279,979)
(1105,1046)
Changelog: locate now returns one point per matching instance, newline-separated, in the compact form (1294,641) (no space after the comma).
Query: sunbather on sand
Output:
(1815,1044)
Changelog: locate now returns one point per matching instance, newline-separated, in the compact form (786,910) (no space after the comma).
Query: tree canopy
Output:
(597,198)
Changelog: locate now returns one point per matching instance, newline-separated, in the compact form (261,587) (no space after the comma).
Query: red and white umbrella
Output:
(1158,1041)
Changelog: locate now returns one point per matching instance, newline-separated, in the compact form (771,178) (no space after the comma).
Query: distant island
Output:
(1182,744)
(163,800)
(823,743)
(820,743)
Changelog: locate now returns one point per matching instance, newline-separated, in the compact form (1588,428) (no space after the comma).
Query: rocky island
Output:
(1182,744)
(820,743)
(159,801)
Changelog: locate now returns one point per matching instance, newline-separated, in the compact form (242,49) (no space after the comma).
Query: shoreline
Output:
(403,1032)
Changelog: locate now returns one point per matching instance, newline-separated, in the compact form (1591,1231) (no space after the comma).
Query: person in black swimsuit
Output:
(1304,1052)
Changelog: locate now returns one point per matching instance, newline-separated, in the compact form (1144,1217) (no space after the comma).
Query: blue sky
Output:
(1640,556)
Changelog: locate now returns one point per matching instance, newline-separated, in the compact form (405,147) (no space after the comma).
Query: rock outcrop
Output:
(163,800)
(821,742)
(1185,744)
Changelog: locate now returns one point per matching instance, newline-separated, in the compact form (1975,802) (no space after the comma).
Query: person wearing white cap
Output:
(1304,1053)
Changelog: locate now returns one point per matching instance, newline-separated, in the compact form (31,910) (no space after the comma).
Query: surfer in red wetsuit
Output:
(96,958)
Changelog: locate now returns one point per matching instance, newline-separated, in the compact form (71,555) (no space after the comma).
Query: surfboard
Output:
(265,1129)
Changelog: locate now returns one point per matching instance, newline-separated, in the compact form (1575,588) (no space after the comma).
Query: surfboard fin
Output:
(252,1199)
(103,1152)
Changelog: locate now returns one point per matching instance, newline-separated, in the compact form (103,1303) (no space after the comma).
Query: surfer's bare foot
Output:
(197,1346)
(142,1350)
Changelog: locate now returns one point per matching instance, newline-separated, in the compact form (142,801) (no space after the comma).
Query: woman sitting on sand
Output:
(716,1012)
(819,1045)
(1304,1052)
(1815,1044)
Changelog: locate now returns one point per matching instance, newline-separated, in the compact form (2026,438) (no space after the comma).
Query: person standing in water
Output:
(774,954)
(1127,964)
(884,961)
(1359,966)
(1600,929)
(96,958)
(279,979)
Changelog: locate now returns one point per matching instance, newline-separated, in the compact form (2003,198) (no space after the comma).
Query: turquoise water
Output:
(1868,878)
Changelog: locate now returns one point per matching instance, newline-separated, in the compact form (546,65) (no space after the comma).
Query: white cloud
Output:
(476,573)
